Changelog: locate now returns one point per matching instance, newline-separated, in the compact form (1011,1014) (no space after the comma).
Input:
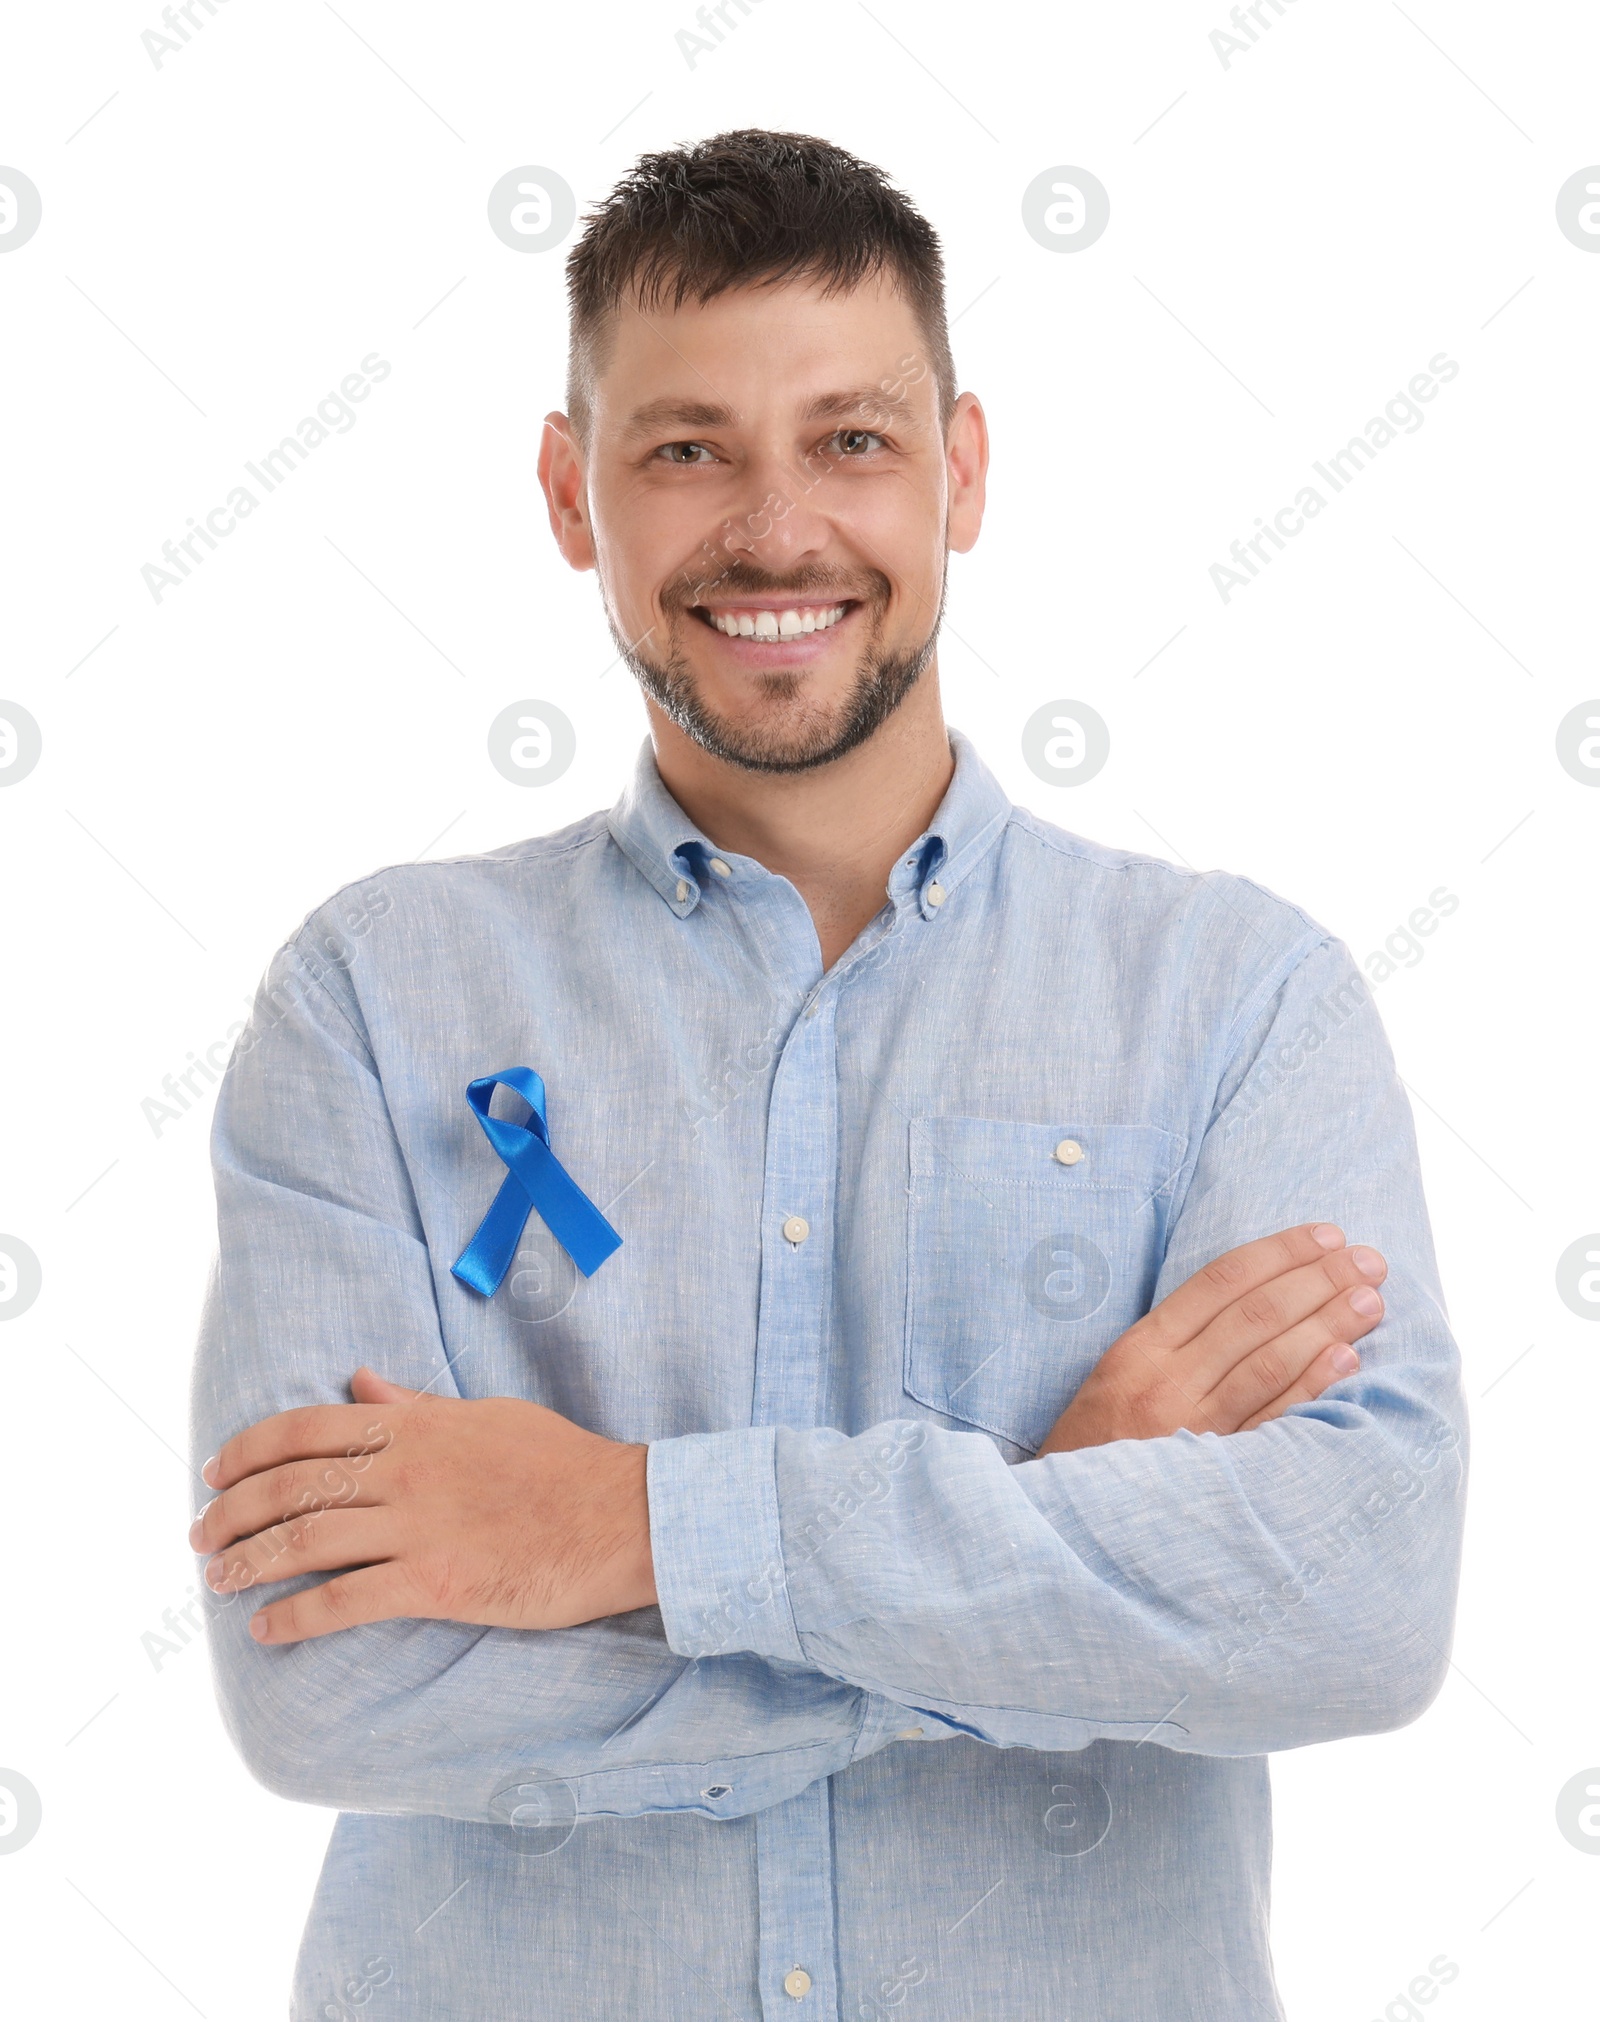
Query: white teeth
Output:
(791,623)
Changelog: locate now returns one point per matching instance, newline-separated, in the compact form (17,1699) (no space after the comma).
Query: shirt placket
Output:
(793,1840)
(797,1950)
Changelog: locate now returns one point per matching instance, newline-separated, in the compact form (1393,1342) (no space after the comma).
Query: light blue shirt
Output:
(923,1726)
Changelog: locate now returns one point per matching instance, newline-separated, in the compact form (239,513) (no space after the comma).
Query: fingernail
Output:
(215,1571)
(195,1529)
(1328,1236)
(1366,1302)
(1346,1359)
(259,1627)
(206,1474)
(1367,1262)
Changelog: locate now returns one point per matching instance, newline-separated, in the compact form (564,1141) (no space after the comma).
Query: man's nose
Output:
(779,522)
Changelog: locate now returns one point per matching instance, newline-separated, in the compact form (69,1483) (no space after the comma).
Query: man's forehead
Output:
(814,353)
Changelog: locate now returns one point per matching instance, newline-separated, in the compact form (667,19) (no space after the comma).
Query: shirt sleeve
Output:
(322,1265)
(1227,1595)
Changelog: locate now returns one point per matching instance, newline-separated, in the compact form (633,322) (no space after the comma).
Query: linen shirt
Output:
(923,1726)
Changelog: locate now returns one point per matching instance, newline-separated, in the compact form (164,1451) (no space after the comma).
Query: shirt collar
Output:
(656,835)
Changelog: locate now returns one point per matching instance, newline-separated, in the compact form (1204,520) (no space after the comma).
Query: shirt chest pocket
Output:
(1030,1248)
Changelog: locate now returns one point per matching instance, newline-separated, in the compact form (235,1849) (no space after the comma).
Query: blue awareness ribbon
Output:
(535,1178)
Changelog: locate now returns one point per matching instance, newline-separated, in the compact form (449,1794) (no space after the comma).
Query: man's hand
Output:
(486,1510)
(1263,1327)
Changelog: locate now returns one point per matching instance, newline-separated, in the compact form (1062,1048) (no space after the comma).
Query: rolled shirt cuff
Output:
(717,1545)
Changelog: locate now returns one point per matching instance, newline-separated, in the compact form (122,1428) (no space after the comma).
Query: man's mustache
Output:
(833,586)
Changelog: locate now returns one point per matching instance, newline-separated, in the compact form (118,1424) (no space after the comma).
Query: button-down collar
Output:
(678,858)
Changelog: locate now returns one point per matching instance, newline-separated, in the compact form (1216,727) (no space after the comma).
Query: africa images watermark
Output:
(1401,1488)
(876,409)
(1402,415)
(159,47)
(1276,1064)
(337,1488)
(269,473)
(1228,46)
(874,1481)
(748,1064)
(691,46)
(1424,1988)
(182,1091)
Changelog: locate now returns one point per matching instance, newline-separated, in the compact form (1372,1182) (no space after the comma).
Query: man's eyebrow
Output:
(671,412)
(864,402)
(861,400)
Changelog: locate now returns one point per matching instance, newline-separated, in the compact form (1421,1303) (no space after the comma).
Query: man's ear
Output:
(967,461)
(562,478)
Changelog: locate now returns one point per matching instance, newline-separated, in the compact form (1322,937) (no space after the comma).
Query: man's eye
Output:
(857,441)
(685,453)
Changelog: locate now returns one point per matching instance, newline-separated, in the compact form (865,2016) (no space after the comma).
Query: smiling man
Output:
(842,1531)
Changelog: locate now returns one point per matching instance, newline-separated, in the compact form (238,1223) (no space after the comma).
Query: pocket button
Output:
(1068,1151)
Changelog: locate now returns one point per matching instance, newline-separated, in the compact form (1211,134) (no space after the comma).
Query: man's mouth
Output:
(772,621)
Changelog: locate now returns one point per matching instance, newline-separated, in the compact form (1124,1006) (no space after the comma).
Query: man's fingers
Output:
(368,1387)
(297,1490)
(374,1594)
(1269,1311)
(1216,1286)
(312,1544)
(311,1432)
(1278,1367)
(1318,1377)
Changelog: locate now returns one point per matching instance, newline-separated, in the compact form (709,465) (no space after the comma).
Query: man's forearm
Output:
(1228,1595)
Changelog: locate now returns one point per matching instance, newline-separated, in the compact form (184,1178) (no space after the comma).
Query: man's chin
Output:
(762,747)
(781,733)
(777,738)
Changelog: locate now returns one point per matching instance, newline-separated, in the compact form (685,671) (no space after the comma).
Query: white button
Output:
(796,1228)
(683,891)
(797,1981)
(936,893)
(720,868)
(909,1734)
(1069,1151)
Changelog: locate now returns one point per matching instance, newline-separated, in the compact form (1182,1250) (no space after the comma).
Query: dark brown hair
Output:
(747,208)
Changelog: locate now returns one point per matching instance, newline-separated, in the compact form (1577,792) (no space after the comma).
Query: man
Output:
(877,1583)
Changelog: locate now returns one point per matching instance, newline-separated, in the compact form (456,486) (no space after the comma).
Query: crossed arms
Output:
(1228,1543)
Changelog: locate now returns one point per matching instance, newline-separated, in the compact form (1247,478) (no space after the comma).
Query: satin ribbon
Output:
(535,1178)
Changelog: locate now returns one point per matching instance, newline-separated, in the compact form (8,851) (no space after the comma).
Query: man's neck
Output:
(834,832)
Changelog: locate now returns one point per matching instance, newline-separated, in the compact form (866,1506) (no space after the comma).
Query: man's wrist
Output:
(634,1563)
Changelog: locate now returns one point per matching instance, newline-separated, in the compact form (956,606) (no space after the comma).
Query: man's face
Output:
(769,499)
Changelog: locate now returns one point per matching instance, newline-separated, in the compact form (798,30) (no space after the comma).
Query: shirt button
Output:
(683,891)
(720,868)
(1068,1151)
(797,1981)
(796,1229)
(935,893)
(909,1734)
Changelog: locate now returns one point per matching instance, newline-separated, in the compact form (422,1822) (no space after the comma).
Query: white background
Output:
(1292,237)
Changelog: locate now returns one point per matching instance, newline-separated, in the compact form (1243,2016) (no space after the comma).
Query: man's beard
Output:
(883,680)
